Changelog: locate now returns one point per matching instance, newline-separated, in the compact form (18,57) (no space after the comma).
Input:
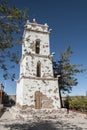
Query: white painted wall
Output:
(28,82)
(29,65)
(47,87)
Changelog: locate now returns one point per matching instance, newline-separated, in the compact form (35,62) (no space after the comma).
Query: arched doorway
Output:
(38,100)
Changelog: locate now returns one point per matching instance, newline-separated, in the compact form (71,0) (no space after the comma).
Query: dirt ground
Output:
(43,121)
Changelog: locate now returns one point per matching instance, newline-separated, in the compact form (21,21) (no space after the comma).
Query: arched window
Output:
(37,46)
(38,69)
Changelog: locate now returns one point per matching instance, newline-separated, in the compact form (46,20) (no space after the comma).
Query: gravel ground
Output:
(59,120)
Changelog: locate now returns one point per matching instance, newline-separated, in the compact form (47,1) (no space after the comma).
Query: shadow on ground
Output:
(43,125)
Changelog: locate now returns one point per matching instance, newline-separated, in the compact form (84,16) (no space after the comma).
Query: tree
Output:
(66,71)
(12,20)
(78,103)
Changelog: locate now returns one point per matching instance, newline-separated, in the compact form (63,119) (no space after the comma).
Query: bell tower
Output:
(37,87)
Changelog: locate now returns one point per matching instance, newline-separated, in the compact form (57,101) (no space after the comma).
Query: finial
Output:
(53,53)
(50,30)
(45,24)
(27,21)
(34,20)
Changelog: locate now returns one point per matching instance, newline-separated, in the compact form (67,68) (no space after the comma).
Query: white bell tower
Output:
(37,88)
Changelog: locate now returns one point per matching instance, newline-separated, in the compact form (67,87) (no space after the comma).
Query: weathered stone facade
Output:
(37,87)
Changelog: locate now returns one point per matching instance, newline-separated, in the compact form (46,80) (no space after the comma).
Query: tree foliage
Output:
(78,103)
(12,20)
(66,71)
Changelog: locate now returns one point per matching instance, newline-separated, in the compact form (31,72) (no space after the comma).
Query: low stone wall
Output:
(9,100)
(1,107)
(27,113)
(12,97)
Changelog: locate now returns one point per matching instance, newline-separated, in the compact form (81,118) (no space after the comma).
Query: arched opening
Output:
(37,46)
(38,100)
(39,69)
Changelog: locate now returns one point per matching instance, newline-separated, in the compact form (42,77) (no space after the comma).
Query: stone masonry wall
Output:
(36,71)
(29,66)
(48,88)
(29,45)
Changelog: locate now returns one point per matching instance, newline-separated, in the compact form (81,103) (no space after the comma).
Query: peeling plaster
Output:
(28,83)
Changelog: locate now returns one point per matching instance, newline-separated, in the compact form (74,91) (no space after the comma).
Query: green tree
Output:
(12,20)
(66,71)
(78,103)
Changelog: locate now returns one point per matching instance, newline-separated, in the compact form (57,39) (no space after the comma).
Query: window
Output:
(39,69)
(37,47)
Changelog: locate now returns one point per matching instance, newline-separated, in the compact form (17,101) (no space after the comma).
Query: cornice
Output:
(38,31)
(37,78)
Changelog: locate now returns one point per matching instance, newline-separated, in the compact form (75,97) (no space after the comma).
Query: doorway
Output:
(38,100)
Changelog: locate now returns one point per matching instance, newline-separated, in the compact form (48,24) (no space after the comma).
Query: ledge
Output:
(37,78)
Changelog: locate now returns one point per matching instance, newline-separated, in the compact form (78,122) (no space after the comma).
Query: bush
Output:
(78,103)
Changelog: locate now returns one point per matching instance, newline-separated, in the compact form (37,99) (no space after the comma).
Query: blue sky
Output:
(68,21)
